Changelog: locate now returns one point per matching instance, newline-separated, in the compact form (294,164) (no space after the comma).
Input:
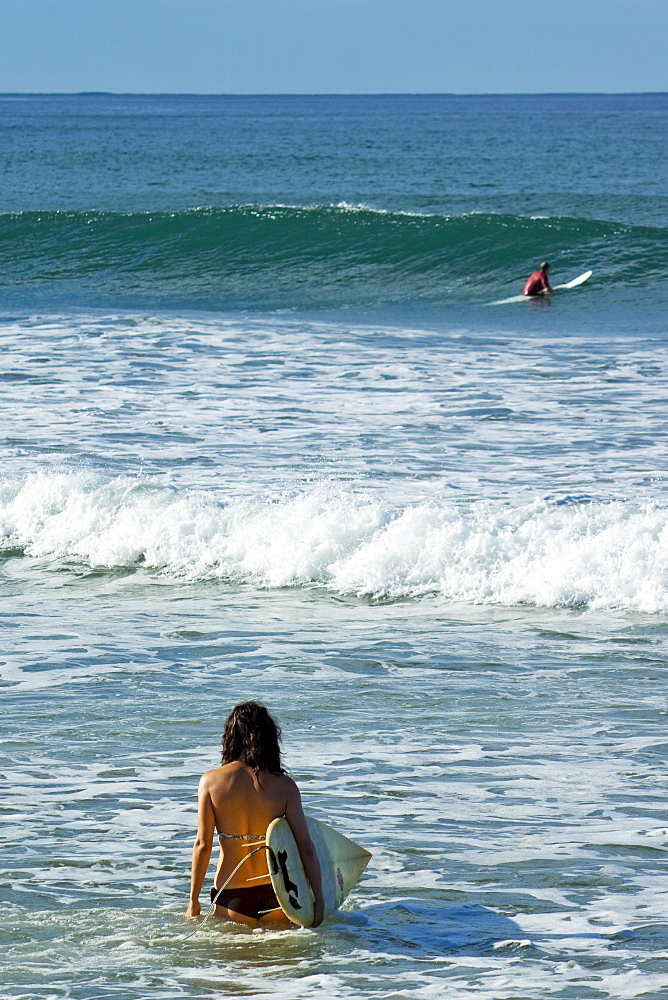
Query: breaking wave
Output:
(596,554)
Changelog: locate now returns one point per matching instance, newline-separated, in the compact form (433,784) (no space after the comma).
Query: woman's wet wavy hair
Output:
(252,736)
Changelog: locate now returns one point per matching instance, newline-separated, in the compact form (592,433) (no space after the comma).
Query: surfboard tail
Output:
(344,862)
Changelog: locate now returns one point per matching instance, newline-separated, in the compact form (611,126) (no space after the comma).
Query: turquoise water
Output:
(264,436)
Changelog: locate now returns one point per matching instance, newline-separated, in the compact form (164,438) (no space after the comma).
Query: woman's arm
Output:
(294,813)
(206,825)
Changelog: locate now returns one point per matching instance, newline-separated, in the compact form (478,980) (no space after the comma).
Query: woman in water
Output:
(238,801)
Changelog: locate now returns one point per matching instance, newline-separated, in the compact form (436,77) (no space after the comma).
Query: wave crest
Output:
(595,554)
(256,256)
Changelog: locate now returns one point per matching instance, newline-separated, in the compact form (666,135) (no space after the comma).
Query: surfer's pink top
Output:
(536,283)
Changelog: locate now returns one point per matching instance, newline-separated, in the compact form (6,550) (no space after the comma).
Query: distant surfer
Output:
(538,283)
(238,801)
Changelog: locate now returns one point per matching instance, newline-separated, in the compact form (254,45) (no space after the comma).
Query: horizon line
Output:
(405,93)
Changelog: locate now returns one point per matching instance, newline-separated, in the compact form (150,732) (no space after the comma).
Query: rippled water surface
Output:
(432,538)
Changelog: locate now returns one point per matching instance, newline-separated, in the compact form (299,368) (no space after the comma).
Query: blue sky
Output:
(333,46)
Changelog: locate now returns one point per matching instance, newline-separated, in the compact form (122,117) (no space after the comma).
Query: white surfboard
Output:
(575,282)
(557,288)
(341,863)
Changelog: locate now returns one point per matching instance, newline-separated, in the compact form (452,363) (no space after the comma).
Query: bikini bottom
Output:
(252,901)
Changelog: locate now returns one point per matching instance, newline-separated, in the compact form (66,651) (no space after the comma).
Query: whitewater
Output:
(264,436)
(596,555)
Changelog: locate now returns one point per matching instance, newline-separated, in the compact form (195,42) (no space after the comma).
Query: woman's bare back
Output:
(243,804)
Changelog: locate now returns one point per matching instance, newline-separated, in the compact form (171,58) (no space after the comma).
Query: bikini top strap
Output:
(240,836)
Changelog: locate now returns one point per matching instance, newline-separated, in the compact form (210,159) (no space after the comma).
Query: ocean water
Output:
(264,436)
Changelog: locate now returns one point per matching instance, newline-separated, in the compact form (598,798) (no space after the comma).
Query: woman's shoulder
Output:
(217,775)
(280,783)
(282,779)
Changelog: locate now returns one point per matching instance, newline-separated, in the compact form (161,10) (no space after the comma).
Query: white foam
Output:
(604,555)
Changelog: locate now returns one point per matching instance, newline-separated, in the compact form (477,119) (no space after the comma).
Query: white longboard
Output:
(580,280)
(341,863)
(557,288)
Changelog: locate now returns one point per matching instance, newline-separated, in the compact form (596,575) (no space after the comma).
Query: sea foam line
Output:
(598,554)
